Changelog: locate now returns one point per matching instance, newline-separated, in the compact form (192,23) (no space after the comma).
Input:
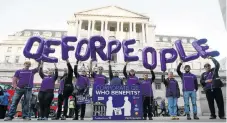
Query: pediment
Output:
(114,11)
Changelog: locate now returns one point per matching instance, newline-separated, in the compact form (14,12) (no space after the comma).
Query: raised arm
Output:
(153,76)
(178,69)
(124,71)
(216,63)
(164,80)
(41,74)
(56,72)
(110,72)
(70,69)
(76,70)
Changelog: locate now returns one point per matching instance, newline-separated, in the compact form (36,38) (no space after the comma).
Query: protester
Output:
(212,85)
(65,90)
(163,107)
(131,78)
(71,108)
(147,93)
(172,94)
(23,84)
(4,101)
(46,92)
(82,88)
(99,78)
(34,104)
(190,87)
(114,78)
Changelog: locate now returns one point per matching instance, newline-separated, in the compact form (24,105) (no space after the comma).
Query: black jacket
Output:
(217,83)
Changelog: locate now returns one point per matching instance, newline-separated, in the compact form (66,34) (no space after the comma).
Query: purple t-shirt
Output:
(25,77)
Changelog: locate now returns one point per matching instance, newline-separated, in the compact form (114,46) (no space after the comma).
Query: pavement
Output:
(155,119)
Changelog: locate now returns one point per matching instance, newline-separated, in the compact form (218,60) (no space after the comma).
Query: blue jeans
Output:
(192,95)
(27,92)
(172,106)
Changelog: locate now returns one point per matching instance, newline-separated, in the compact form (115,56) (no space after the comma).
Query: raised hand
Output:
(55,65)
(77,62)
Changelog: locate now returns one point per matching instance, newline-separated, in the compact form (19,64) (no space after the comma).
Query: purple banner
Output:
(117,102)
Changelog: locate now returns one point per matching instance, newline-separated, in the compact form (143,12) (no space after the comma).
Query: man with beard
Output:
(212,85)
(190,87)
(65,90)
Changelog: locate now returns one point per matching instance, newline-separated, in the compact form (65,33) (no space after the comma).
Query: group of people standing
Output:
(23,84)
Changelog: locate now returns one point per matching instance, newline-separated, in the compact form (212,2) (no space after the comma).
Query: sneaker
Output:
(196,117)
(27,119)
(144,118)
(150,118)
(81,118)
(44,118)
(63,118)
(188,117)
(8,119)
(55,118)
(75,118)
(39,118)
(177,118)
(172,118)
(223,118)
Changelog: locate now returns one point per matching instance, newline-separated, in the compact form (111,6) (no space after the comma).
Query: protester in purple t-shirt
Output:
(23,84)
(99,78)
(147,93)
(212,85)
(46,92)
(131,78)
(190,87)
(82,85)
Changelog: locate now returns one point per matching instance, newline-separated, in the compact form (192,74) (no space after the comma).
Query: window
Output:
(157,39)
(112,29)
(158,86)
(17,59)
(98,28)
(7,59)
(9,49)
(114,57)
(86,27)
(19,49)
(125,29)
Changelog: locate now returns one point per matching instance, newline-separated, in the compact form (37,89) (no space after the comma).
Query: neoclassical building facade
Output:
(112,23)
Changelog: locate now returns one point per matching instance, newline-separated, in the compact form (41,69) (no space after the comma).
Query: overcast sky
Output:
(197,18)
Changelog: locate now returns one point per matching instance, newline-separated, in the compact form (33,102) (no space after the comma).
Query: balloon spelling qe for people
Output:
(44,50)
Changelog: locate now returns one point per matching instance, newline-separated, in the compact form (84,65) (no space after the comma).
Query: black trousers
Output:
(215,94)
(163,110)
(147,107)
(82,109)
(34,110)
(71,112)
(63,98)
(3,111)
(45,99)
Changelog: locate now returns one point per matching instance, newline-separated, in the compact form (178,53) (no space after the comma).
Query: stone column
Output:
(105,30)
(93,27)
(122,35)
(76,27)
(134,30)
(89,29)
(146,41)
(118,29)
(130,30)
(143,33)
(102,24)
(79,29)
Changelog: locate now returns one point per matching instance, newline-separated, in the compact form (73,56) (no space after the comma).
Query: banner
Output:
(117,102)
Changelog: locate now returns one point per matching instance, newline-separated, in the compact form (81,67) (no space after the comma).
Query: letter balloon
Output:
(154,58)
(202,49)
(182,54)
(97,49)
(165,60)
(127,50)
(111,50)
(48,50)
(65,47)
(29,45)
(78,50)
